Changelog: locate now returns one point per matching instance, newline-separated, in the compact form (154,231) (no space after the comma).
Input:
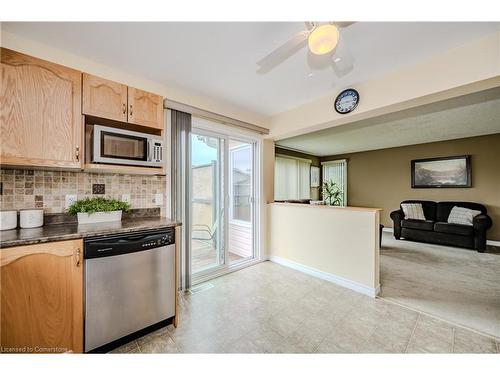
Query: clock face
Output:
(346,101)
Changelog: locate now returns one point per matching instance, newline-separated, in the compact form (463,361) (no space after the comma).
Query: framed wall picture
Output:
(314,176)
(448,172)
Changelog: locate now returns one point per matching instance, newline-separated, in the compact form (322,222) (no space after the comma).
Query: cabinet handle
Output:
(130,109)
(77,153)
(124,108)
(78,257)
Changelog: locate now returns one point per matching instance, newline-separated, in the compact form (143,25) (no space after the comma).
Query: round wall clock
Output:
(346,101)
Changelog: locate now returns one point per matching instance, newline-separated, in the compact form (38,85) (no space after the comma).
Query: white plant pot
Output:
(99,217)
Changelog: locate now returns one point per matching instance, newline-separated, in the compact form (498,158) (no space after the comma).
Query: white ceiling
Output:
(466,116)
(218,59)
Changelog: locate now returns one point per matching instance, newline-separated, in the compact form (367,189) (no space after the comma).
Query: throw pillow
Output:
(413,211)
(462,215)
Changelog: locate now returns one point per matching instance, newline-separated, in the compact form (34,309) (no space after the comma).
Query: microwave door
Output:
(115,146)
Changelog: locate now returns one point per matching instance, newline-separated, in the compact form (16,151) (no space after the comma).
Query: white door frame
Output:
(209,128)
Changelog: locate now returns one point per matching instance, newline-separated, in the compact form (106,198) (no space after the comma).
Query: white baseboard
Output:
(488,242)
(371,292)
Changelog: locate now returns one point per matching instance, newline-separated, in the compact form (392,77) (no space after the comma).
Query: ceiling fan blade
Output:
(343,60)
(310,25)
(344,24)
(282,53)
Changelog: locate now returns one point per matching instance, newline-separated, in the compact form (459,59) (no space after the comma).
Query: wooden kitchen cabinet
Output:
(40,106)
(114,101)
(145,108)
(104,98)
(42,297)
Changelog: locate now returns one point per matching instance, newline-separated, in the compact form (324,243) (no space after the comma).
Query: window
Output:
(336,171)
(292,178)
(241,182)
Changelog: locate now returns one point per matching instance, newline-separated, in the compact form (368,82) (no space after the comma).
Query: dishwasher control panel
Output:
(167,239)
(105,246)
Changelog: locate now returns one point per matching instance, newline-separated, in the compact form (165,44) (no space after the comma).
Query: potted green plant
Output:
(98,210)
(332,194)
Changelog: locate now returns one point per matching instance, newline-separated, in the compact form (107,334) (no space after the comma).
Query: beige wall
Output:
(341,242)
(472,67)
(381,178)
(268,149)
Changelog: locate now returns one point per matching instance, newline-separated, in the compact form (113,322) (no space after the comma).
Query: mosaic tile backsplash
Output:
(26,188)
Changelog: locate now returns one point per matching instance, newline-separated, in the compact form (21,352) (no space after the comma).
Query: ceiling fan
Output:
(323,39)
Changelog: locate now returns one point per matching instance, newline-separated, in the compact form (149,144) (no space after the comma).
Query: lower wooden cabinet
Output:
(42,298)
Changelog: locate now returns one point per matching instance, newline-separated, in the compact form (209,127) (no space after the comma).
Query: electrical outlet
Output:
(158,199)
(69,200)
(126,198)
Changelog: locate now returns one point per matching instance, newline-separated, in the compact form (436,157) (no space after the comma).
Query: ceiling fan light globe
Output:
(323,39)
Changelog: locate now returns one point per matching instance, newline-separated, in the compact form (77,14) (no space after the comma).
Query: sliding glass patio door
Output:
(222,191)
(207,203)
(241,192)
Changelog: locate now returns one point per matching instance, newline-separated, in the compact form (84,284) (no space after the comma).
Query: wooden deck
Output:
(204,255)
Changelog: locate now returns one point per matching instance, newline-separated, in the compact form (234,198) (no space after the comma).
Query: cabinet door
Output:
(40,106)
(42,297)
(103,98)
(145,109)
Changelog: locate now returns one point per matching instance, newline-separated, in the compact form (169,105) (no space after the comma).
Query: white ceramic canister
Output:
(8,219)
(31,218)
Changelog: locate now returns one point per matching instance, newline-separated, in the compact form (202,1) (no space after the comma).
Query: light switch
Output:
(126,198)
(69,199)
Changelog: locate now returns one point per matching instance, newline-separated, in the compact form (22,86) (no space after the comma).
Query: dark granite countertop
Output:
(70,231)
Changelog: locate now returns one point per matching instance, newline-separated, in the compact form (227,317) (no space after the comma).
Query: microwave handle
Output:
(149,150)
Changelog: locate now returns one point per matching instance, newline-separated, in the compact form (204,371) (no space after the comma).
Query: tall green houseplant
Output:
(332,194)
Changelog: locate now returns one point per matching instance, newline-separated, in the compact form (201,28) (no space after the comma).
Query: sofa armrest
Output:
(396,217)
(481,224)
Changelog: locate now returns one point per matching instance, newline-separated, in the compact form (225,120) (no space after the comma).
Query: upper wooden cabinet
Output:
(104,98)
(42,297)
(115,101)
(145,108)
(40,112)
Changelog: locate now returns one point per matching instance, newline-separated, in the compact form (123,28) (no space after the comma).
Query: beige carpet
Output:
(458,285)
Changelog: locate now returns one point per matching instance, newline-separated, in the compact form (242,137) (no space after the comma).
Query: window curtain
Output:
(180,128)
(292,179)
(336,171)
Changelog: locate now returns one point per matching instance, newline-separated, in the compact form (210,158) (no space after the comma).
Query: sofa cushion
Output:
(444,209)
(418,224)
(429,208)
(462,230)
(463,216)
(413,211)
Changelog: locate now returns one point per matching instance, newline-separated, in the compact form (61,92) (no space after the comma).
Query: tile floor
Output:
(458,285)
(268,308)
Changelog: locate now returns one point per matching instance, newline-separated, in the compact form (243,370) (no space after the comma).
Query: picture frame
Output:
(442,172)
(315,176)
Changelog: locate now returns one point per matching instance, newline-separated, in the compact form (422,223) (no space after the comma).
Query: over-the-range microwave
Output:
(123,147)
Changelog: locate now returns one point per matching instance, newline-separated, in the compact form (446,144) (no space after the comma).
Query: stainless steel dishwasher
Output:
(129,284)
